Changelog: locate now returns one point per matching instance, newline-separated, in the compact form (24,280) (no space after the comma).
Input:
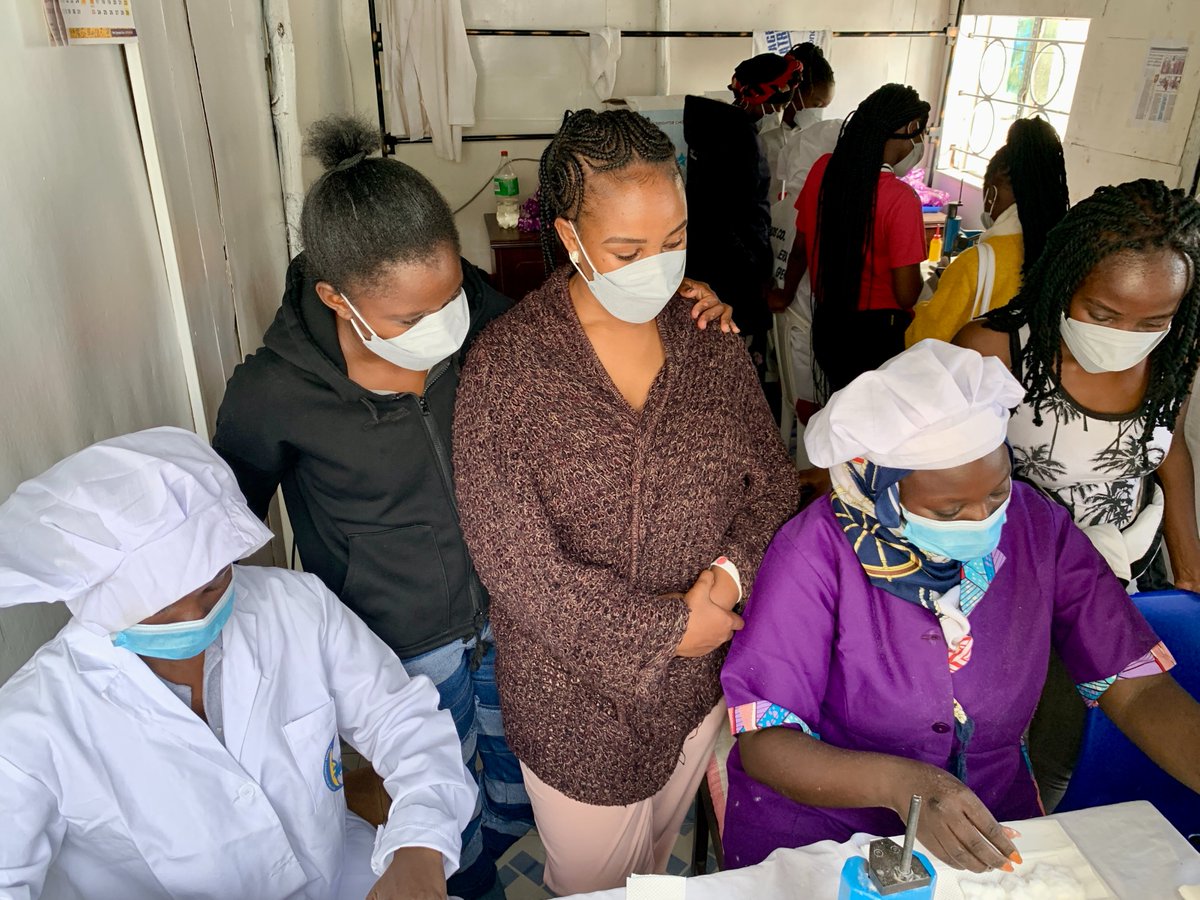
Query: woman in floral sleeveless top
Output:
(1104,337)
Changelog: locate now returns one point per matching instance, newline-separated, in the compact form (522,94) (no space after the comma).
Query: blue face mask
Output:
(959,539)
(178,640)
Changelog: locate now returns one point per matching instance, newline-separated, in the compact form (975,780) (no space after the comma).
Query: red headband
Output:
(759,93)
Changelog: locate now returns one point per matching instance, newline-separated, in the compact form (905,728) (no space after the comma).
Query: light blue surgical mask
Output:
(178,640)
(959,539)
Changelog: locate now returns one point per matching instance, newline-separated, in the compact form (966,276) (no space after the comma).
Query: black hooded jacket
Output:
(367,478)
(729,214)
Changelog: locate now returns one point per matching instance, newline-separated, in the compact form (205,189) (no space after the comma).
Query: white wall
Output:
(525,83)
(1103,145)
(88,341)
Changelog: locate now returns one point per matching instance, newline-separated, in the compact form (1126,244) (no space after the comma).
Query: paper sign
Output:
(91,21)
(782,41)
(1162,75)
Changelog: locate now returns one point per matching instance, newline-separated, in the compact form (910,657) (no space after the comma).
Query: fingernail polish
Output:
(1016,857)
(1007,867)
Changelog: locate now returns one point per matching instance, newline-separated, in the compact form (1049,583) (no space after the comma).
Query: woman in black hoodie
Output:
(348,406)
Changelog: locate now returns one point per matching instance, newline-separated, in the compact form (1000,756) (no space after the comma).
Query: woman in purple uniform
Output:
(898,633)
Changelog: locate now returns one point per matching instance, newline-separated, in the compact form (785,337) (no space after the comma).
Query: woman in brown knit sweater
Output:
(619,477)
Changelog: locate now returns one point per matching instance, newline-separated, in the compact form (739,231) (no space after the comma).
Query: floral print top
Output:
(1091,463)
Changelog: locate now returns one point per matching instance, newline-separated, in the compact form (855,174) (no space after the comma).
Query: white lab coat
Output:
(110,787)
(427,71)
(796,151)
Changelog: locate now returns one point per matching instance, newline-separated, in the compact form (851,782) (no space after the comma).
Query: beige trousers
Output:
(595,848)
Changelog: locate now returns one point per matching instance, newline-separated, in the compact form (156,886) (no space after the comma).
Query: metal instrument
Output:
(890,868)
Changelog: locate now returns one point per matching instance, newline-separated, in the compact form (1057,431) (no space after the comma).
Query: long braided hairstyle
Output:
(587,142)
(846,208)
(816,69)
(1139,216)
(1032,161)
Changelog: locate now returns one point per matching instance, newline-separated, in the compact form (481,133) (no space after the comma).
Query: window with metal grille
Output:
(1006,68)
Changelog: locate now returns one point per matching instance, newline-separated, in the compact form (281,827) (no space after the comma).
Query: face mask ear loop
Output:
(355,318)
(595,272)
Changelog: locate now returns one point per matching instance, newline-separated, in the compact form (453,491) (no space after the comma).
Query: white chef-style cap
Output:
(124,528)
(935,406)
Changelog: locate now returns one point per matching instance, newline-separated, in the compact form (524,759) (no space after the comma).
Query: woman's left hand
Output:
(415,873)
(707,306)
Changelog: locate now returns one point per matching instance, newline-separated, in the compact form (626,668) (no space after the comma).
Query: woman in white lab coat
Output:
(180,736)
(790,151)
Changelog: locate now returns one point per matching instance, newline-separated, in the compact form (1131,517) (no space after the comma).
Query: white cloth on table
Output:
(1130,845)
(655,887)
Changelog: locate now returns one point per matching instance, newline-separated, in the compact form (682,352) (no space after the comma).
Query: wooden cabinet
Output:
(518,255)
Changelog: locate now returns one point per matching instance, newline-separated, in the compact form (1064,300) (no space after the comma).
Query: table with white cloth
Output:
(1129,845)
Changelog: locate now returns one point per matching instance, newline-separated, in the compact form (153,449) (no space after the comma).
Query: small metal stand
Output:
(892,868)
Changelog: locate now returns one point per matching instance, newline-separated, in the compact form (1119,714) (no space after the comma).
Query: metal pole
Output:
(910,836)
(952,35)
(376,49)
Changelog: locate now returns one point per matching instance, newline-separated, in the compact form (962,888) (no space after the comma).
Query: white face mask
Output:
(1098,348)
(905,165)
(986,218)
(807,116)
(769,120)
(436,337)
(635,293)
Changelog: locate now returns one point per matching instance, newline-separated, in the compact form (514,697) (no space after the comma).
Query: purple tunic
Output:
(866,670)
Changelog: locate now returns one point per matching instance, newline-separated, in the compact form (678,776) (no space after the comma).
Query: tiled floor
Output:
(521,868)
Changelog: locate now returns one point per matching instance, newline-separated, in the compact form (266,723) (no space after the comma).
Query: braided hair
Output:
(1032,161)
(588,142)
(365,214)
(816,70)
(1139,216)
(846,207)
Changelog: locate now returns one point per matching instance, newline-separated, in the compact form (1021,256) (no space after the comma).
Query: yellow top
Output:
(952,304)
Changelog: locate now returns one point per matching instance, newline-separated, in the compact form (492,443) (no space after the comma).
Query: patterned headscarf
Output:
(866,504)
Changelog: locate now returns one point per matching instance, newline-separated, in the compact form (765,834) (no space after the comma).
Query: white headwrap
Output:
(124,528)
(935,406)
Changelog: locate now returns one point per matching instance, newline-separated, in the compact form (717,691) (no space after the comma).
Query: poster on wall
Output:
(782,41)
(89,22)
(1162,75)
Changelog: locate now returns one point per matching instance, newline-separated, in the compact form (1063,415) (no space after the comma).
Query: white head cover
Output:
(935,406)
(124,528)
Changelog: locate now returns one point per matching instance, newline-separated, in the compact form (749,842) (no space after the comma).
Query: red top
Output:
(899,233)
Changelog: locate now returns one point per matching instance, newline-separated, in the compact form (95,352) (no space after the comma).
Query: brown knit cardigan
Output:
(579,512)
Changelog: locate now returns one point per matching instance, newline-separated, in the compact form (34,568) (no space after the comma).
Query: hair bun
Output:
(335,140)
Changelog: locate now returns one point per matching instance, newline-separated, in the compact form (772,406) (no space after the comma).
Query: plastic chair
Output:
(1110,768)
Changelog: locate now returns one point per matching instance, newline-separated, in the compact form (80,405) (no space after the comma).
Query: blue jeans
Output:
(503,812)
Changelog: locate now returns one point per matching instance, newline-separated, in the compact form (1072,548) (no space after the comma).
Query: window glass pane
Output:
(1005,68)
